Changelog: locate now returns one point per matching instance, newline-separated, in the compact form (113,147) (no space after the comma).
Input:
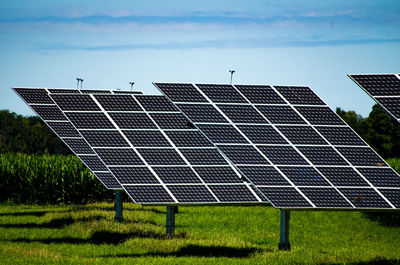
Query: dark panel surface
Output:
(149,194)
(304,176)
(104,138)
(262,134)
(181,92)
(222,133)
(320,116)
(379,85)
(233,193)
(361,156)
(299,95)
(260,94)
(285,197)
(281,115)
(78,145)
(93,162)
(202,113)
(34,95)
(322,155)
(302,135)
(155,103)
(343,176)
(242,114)
(283,155)
(119,157)
(89,120)
(134,175)
(264,175)
(221,93)
(364,198)
(217,174)
(156,156)
(147,139)
(191,193)
(326,197)
(176,175)
(243,154)
(64,129)
(118,103)
(49,113)
(204,156)
(188,139)
(75,102)
(340,135)
(132,120)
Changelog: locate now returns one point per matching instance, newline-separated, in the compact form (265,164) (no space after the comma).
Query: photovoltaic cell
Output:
(364,198)
(134,175)
(202,113)
(191,193)
(172,121)
(326,197)
(156,103)
(221,93)
(204,156)
(78,145)
(260,94)
(119,157)
(118,103)
(340,136)
(149,194)
(285,197)
(242,114)
(93,162)
(181,92)
(89,120)
(147,139)
(104,138)
(176,175)
(63,91)
(302,135)
(322,155)
(343,176)
(49,112)
(299,95)
(393,195)
(381,177)
(361,156)
(320,115)
(222,174)
(262,134)
(283,155)
(64,129)
(75,102)
(304,176)
(264,175)
(243,154)
(222,133)
(94,91)
(161,156)
(34,95)
(108,180)
(232,193)
(379,84)
(391,104)
(188,139)
(132,120)
(281,114)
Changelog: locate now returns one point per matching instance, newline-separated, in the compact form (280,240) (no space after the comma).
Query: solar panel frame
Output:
(313,124)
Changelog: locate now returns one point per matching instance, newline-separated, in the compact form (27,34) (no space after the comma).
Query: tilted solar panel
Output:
(153,151)
(289,144)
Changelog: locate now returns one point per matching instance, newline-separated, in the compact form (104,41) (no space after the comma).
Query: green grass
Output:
(213,235)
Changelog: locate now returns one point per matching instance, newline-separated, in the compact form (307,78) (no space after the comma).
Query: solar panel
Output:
(40,101)
(289,144)
(149,146)
(383,88)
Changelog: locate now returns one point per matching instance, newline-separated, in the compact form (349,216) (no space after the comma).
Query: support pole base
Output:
(283,246)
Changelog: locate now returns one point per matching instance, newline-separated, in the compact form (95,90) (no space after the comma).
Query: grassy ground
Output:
(212,235)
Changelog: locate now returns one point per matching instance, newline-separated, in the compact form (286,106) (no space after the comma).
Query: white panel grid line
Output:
(65,121)
(252,144)
(337,151)
(134,149)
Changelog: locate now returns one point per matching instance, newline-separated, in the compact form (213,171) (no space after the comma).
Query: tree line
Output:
(30,135)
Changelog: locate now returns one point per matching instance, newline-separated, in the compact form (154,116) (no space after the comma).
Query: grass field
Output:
(213,235)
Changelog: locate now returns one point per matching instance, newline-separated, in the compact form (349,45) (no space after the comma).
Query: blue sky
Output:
(49,43)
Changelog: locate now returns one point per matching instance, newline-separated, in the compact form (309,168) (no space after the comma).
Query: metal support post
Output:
(171,220)
(118,206)
(284,236)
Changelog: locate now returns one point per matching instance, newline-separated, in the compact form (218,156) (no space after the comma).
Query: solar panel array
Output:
(290,145)
(42,104)
(153,151)
(383,88)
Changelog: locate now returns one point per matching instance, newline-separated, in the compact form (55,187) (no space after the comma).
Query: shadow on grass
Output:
(198,251)
(100,237)
(387,219)
(31,213)
(376,261)
(112,209)
(54,223)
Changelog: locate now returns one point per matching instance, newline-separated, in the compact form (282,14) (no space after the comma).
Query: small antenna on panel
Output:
(232,72)
(131,83)
(79,80)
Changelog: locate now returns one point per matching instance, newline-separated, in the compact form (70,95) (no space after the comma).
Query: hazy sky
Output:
(49,43)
